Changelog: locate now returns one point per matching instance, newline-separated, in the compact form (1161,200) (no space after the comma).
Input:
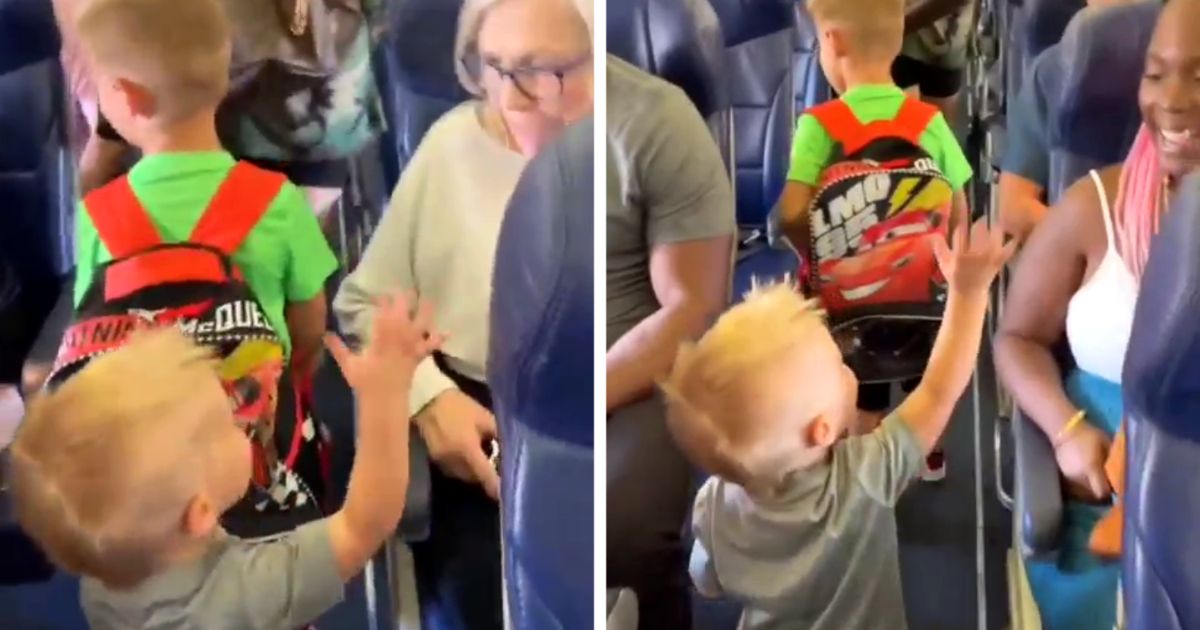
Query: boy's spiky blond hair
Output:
(102,469)
(875,27)
(179,50)
(707,381)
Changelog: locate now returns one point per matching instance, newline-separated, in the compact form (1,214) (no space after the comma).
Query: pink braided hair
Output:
(1140,202)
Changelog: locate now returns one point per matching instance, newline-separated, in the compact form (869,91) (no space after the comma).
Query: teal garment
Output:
(303,118)
(1078,591)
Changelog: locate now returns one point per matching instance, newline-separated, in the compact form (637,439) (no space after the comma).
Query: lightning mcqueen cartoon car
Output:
(894,263)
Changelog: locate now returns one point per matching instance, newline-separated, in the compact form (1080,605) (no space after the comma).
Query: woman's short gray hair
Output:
(470,19)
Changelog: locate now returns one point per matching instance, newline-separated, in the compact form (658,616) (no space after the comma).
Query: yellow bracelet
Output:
(1068,427)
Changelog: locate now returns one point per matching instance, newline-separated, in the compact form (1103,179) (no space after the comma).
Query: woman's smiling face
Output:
(1170,91)
(535,67)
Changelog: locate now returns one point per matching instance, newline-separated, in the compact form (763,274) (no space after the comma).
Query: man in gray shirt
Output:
(670,228)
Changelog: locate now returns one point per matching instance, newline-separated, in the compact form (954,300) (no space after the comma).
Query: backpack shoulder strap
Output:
(241,200)
(840,123)
(119,218)
(913,119)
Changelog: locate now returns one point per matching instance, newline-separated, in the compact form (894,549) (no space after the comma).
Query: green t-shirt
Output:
(285,258)
(812,147)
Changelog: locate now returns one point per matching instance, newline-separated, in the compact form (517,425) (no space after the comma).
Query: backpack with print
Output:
(301,84)
(879,208)
(195,286)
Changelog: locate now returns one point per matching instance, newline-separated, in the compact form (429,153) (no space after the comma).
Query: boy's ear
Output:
(818,433)
(200,517)
(835,39)
(138,99)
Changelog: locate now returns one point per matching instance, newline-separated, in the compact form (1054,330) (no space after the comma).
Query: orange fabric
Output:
(844,127)
(243,198)
(1106,537)
(163,266)
(121,222)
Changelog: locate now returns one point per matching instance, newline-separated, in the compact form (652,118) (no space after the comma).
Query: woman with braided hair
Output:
(1079,275)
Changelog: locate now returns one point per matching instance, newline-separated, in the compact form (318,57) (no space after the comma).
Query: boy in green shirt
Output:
(859,41)
(163,97)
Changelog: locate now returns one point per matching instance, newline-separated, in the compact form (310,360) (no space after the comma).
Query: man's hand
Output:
(455,429)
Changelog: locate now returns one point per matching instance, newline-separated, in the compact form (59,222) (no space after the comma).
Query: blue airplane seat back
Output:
(1160,576)
(759,39)
(540,370)
(809,80)
(1097,116)
(415,68)
(681,42)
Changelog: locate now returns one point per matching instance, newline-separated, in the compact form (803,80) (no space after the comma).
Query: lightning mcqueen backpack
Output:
(878,209)
(195,286)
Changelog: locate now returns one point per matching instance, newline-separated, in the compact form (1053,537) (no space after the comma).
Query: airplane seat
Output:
(1045,22)
(680,41)
(1035,26)
(28,34)
(760,39)
(36,179)
(540,371)
(36,183)
(414,67)
(1159,575)
(809,80)
(1098,116)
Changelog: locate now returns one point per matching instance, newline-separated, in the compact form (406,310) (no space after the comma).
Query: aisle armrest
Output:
(1037,490)
(622,609)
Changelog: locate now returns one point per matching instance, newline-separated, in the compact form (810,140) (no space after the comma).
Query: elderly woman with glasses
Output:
(529,63)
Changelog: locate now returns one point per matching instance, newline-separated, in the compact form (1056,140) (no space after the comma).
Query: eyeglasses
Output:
(534,82)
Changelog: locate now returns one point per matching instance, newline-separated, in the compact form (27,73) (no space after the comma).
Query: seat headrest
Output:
(29,109)
(1161,379)
(745,20)
(28,34)
(419,41)
(678,40)
(1102,57)
(540,364)
(1046,20)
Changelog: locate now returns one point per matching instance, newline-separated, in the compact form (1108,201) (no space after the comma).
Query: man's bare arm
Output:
(691,282)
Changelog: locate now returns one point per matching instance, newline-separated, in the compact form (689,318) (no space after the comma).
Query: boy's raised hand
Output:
(399,341)
(973,258)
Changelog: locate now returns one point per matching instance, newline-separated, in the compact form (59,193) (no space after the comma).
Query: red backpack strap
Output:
(913,119)
(120,220)
(841,124)
(237,206)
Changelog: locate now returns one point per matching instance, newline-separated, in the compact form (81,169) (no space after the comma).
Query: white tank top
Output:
(1100,314)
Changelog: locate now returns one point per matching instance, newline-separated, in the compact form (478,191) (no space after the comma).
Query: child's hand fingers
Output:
(1007,250)
(958,242)
(980,238)
(381,317)
(431,343)
(423,319)
(943,255)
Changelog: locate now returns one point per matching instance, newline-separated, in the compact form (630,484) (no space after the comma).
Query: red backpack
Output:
(195,286)
(880,205)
